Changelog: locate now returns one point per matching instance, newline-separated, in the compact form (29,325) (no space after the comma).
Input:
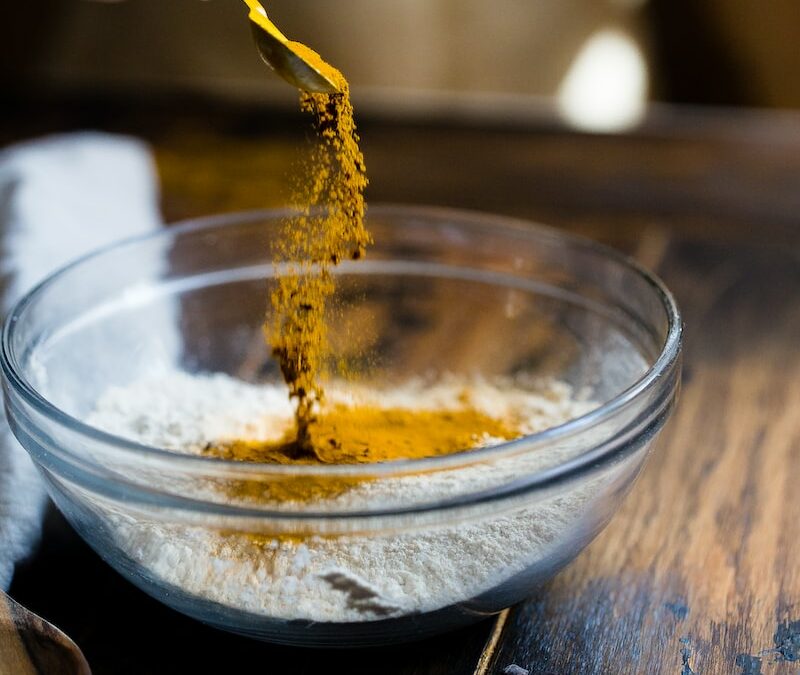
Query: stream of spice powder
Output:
(329,228)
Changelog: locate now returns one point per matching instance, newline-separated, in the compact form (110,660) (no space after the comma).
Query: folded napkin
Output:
(60,197)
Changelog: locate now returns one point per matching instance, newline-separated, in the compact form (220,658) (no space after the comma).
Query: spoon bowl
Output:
(293,61)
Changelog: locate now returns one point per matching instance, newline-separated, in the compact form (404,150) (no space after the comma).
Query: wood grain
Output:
(31,646)
(698,571)
(14,659)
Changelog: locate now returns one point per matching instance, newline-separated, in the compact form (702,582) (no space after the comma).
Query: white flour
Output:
(345,578)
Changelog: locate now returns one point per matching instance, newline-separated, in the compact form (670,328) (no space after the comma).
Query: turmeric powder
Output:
(366,434)
(329,228)
(357,435)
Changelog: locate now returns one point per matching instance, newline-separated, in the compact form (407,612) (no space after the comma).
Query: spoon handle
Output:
(29,645)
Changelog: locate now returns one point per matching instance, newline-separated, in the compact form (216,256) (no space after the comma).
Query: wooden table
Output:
(699,572)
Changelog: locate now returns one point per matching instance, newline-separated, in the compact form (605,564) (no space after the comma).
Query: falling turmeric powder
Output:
(329,228)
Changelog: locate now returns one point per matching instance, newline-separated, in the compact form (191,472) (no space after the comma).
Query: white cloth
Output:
(60,197)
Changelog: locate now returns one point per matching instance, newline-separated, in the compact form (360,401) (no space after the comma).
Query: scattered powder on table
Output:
(346,577)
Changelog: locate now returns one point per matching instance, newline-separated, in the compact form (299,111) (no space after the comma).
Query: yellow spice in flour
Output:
(358,435)
(366,434)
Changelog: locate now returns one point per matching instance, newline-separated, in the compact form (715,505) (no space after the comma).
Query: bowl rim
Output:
(663,363)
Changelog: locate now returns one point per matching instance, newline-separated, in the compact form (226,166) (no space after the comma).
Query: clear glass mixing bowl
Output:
(456,537)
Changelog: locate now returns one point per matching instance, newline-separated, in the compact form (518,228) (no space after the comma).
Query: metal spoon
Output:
(31,645)
(285,57)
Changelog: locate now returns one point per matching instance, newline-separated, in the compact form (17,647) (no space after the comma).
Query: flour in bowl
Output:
(405,567)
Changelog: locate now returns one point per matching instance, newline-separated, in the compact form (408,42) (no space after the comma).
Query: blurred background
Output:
(593,64)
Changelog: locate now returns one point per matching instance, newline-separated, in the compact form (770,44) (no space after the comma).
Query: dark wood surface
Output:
(698,572)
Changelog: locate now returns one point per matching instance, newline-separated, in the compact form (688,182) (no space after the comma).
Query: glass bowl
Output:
(418,546)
